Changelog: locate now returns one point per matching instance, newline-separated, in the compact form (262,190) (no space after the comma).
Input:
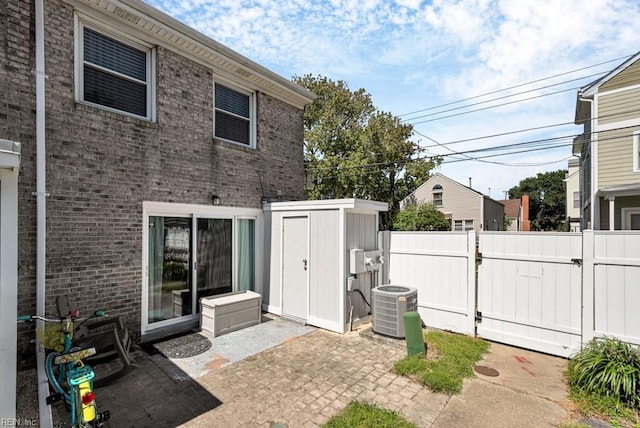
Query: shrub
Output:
(421,217)
(175,271)
(607,367)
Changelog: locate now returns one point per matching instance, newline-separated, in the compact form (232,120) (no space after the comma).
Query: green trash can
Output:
(413,334)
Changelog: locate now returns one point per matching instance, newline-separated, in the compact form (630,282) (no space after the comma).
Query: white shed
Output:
(307,255)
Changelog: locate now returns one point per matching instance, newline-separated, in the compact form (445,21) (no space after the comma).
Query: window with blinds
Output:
(233,115)
(115,74)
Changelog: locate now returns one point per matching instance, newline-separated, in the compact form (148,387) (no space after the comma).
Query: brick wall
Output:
(102,165)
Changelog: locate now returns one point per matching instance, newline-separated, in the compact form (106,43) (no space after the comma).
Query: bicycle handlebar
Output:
(24,318)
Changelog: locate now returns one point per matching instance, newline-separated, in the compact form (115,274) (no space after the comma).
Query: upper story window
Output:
(437,195)
(576,199)
(234,115)
(636,152)
(115,74)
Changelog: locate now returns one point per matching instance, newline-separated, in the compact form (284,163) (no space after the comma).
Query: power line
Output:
(496,105)
(406,162)
(517,86)
(527,164)
(536,128)
(535,145)
(502,97)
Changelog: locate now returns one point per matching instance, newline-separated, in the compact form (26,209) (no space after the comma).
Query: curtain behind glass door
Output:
(246,254)
(215,257)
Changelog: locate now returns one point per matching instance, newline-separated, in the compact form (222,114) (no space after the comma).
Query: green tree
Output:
(422,217)
(352,149)
(546,199)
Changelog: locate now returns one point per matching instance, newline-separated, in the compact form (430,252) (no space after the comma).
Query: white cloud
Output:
(414,54)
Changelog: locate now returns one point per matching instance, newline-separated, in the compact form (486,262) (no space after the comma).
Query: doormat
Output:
(185,346)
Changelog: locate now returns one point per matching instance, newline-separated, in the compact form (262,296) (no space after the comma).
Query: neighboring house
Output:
(517,212)
(609,149)
(161,147)
(572,188)
(465,208)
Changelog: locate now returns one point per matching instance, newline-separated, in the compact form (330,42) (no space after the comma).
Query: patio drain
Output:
(486,371)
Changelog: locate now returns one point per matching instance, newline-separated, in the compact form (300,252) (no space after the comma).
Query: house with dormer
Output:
(465,208)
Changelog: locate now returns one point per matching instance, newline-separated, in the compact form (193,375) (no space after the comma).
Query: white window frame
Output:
(636,151)
(578,200)
(82,22)
(625,217)
(463,225)
(437,190)
(252,113)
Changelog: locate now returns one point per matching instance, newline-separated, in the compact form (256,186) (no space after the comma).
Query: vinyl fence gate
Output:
(530,291)
(549,292)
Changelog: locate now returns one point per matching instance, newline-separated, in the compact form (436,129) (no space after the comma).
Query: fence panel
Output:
(441,265)
(616,285)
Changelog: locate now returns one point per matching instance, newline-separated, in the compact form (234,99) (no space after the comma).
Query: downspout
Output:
(592,169)
(43,384)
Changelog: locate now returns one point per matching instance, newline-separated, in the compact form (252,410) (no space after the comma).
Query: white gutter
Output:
(41,177)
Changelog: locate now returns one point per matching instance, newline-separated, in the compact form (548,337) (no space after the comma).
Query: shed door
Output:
(295,256)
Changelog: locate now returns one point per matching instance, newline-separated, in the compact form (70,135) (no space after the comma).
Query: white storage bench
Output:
(229,312)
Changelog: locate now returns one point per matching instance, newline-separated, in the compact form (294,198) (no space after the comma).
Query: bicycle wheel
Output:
(56,375)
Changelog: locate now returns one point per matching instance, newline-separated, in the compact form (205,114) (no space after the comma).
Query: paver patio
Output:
(306,380)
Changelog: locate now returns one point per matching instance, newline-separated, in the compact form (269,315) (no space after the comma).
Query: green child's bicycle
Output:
(70,379)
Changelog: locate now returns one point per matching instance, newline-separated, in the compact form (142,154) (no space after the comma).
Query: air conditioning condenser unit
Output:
(389,303)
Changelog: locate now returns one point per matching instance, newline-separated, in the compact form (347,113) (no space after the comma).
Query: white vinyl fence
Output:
(612,285)
(549,292)
(440,265)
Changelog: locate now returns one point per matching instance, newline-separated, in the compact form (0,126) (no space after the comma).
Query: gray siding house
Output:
(464,207)
(161,147)
(609,149)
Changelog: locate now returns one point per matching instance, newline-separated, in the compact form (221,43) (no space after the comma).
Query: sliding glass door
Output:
(169,267)
(194,256)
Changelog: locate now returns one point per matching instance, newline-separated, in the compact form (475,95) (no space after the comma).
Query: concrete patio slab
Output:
(235,346)
(528,392)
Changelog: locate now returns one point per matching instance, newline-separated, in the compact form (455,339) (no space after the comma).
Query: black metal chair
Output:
(110,339)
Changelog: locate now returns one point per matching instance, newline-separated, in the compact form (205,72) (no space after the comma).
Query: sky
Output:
(431,62)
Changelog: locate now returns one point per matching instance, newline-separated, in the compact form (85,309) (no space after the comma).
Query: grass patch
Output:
(455,357)
(364,415)
(592,405)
